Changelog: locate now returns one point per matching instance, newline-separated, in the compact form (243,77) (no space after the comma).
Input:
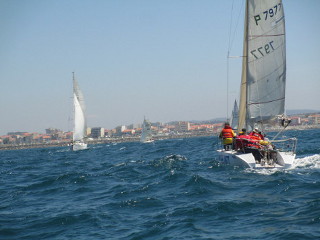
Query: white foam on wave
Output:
(262,171)
(311,162)
(175,157)
(61,150)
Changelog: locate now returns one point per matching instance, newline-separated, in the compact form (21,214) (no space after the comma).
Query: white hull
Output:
(79,146)
(147,141)
(247,160)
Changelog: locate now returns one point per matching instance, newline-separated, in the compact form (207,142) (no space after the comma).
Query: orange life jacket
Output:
(256,136)
(255,139)
(227,132)
(247,141)
(241,141)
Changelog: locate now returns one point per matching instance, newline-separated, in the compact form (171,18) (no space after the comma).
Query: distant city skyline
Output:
(165,60)
(291,113)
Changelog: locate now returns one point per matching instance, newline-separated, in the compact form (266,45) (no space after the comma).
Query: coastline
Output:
(9,147)
(98,141)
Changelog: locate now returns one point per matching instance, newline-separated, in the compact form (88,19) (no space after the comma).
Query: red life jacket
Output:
(241,141)
(247,141)
(256,136)
(254,143)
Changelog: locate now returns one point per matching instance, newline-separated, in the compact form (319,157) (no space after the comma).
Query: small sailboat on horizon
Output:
(80,125)
(146,135)
(234,116)
(262,90)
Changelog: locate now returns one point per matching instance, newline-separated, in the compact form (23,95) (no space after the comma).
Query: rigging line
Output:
(230,27)
(236,56)
(227,86)
(229,42)
(237,23)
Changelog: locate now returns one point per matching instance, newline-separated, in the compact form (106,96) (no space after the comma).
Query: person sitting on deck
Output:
(256,135)
(260,140)
(241,142)
(243,132)
(227,136)
(254,143)
(246,141)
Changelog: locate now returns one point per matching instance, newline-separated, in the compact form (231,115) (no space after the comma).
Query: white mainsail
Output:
(146,135)
(79,131)
(264,63)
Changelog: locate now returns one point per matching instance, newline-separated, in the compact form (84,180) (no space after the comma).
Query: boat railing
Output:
(285,145)
(241,144)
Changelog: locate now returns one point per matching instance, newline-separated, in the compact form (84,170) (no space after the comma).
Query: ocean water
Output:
(170,189)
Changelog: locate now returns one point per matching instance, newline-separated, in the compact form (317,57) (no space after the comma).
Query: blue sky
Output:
(165,60)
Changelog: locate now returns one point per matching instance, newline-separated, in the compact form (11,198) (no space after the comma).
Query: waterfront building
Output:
(97,132)
(120,129)
(295,121)
(183,126)
(50,131)
(88,131)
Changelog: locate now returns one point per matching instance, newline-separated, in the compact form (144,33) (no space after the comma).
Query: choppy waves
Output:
(309,162)
(172,189)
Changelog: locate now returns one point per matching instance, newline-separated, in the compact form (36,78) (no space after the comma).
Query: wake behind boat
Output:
(79,131)
(262,91)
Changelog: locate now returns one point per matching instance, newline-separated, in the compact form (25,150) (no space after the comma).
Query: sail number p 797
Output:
(268,13)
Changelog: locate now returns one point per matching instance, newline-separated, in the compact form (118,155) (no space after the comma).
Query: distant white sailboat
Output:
(235,116)
(146,135)
(262,91)
(79,131)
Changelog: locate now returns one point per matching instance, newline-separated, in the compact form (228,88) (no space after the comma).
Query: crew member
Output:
(243,132)
(242,140)
(259,139)
(256,135)
(227,136)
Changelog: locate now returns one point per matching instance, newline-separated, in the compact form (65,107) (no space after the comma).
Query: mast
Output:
(242,123)
(74,107)
(73,81)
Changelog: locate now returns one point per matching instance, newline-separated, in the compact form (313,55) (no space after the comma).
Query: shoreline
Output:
(8,147)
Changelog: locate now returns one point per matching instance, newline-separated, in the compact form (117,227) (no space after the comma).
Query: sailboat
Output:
(79,130)
(235,116)
(146,135)
(262,90)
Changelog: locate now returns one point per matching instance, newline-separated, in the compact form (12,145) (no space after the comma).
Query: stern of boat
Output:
(285,159)
(79,146)
(234,158)
(247,160)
